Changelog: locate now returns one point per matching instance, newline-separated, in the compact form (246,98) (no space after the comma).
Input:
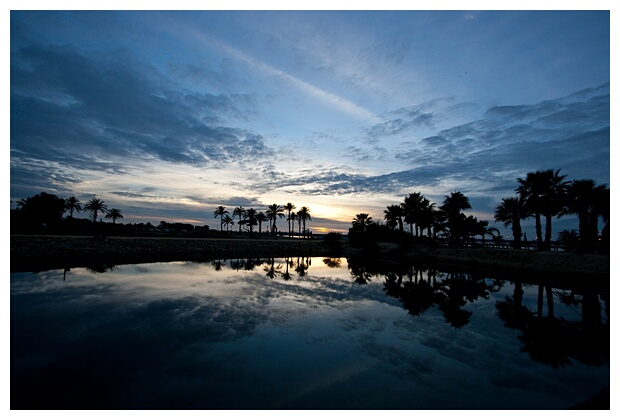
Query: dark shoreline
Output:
(41,253)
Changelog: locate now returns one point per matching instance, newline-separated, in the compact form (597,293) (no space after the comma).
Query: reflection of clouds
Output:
(200,337)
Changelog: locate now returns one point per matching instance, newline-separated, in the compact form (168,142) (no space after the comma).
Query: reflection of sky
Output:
(169,334)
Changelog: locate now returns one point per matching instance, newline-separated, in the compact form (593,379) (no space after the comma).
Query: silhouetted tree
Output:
(289,207)
(251,218)
(412,207)
(42,209)
(72,204)
(361,221)
(452,206)
(511,211)
(273,212)
(220,212)
(95,205)
(114,214)
(553,199)
(228,221)
(587,200)
(240,212)
(304,214)
(260,218)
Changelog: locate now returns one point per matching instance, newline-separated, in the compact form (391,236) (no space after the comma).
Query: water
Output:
(308,333)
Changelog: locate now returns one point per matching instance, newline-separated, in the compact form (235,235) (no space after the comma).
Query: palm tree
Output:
(251,218)
(411,207)
(260,218)
(228,221)
(532,190)
(362,220)
(390,218)
(586,200)
(72,204)
(427,216)
(569,239)
(289,207)
(510,212)
(553,199)
(299,223)
(292,218)
(452,206)
(114,214)
(220,212)
(95,205)
(304,214)
(273,212)
(239,211)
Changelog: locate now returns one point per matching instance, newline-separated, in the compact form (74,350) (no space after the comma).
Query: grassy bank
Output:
(38,253)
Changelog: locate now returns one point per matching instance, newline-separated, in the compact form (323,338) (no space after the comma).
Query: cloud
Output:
(69,107)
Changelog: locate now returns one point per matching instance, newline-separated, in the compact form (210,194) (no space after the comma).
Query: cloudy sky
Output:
(167,115)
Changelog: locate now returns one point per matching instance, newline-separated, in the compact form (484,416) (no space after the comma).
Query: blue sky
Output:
(167,115)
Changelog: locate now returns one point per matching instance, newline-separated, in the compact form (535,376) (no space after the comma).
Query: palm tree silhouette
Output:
(362,220)
(251,218)
(273,212)
(73,204)
(304,214)
(532,189)
(292,218)
(391,215)
(427,216)
(260,218)
(95,205)
(587,200)
(114,214)
(511,211)
(220,212)
(553,199)
(289,207)
(452,206)
(412,206)
(239,211)
(228,221)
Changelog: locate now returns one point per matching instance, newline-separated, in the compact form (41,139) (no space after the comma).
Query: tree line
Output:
(249,218)
(539,195)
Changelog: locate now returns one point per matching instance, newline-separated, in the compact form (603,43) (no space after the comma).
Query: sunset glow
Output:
(169,114)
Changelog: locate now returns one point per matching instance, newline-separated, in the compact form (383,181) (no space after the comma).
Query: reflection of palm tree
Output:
(72,204)
(302,267)
(114,214)
(289,207)
(511,211)
(221,212)
(95,205)
(272,270)
(332,262)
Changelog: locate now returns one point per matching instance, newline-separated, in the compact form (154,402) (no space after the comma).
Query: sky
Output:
(166,115)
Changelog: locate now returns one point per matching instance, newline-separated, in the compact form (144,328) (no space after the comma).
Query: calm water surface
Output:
(301,333)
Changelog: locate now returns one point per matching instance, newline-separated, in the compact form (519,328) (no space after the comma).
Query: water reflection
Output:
(302,333)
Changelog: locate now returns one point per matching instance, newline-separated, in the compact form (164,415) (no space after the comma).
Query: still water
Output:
(312,333)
